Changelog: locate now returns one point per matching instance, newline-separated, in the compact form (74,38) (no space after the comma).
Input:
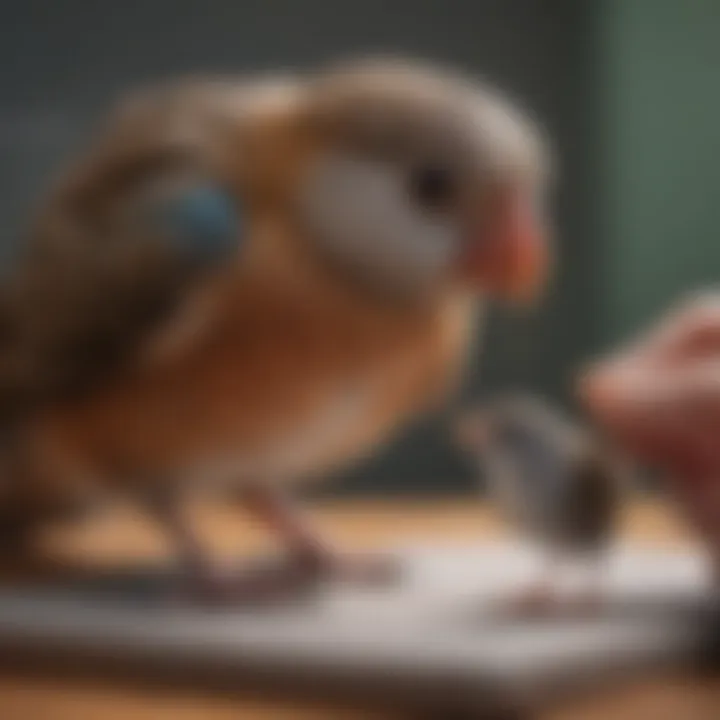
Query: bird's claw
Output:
(289,579)
(369,570)
(539,599)
(589,602)
(265,583)
(543,601)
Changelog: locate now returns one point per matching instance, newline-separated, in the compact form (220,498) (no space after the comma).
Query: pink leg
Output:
(307,549)
(309,560)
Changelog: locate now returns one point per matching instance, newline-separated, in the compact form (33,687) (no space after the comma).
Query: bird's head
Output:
(421,179)
(524,433)
(393,172)
(508,422)
(515,422)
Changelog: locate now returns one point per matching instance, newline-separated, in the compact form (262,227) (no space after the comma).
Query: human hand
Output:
(659,398)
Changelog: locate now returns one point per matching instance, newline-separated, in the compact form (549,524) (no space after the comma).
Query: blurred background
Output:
(627,89)
(629,92)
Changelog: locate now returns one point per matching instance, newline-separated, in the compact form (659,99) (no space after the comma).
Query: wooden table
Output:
(356,524)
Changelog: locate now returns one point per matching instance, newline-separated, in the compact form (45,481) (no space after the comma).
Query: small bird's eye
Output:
(432,187)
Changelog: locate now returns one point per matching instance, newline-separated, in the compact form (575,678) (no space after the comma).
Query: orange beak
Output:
(507,256)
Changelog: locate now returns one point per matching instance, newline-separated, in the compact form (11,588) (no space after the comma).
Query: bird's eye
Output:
(363,211)
(433,187)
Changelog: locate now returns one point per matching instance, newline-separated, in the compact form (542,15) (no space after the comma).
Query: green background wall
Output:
(660,153)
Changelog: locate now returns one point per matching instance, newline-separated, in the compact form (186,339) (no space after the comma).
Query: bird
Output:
(556,480)
(242,284)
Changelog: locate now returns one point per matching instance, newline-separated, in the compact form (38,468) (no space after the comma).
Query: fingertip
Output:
(594,388)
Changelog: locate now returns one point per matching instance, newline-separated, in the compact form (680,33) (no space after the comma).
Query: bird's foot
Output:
(256,583)
(587,602)
(290,578)
(541,600)
(537,599)
(363,569)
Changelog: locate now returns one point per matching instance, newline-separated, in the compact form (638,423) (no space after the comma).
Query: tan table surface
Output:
(124,535)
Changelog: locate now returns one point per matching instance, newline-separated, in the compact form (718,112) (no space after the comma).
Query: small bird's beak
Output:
(506,250)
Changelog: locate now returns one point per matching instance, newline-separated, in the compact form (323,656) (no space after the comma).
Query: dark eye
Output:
(433,187)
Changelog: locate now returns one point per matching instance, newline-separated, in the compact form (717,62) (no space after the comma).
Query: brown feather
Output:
(135,369)
(263,372)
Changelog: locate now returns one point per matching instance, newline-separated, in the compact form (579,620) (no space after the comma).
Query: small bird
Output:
(244,284)
(554,479)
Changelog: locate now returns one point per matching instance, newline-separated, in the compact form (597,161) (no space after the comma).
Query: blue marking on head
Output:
(202,221)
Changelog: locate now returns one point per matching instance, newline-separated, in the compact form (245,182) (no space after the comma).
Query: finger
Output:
(692,330)
(635,388)
(666,415)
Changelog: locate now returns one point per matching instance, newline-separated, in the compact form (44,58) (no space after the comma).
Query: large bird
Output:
(244,284)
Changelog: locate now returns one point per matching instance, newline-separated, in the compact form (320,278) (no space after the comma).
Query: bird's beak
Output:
(505,249)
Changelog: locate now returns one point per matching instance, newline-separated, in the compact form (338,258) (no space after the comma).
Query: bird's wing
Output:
(129,232)
(592,496)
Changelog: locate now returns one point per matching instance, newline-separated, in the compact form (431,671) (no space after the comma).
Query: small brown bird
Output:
(243,285)
(553,478)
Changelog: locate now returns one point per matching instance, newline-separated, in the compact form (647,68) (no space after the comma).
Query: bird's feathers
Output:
(137,355)
(202,221)
(550,475)
(589,505)
(122,241)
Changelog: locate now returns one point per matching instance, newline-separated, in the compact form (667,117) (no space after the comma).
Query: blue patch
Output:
(202,221)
